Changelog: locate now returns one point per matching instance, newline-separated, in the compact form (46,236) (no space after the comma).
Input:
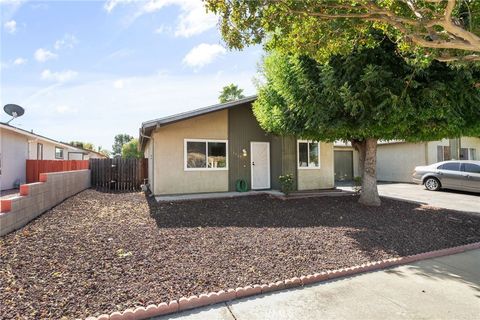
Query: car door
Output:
(450,175)
(471,172)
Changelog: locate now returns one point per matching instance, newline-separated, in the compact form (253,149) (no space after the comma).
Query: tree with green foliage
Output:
(130,150)
(119,141)
(83,145)
(230,93)
(105,152)
(446,30)
(369,95)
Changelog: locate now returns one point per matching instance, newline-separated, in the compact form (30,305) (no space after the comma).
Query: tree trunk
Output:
(369,195)
(359,145)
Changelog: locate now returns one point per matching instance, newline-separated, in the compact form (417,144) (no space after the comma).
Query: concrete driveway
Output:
(440,288)
(448,199)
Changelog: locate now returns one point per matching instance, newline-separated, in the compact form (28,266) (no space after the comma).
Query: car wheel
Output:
(432,184)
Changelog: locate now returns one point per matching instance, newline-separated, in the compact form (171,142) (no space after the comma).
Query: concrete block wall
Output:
(36,198)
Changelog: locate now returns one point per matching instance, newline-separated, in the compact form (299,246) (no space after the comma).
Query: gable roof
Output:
(30,134)
(149,126)
(87,151)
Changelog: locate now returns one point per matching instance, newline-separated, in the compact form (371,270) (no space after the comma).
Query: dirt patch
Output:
(98,253)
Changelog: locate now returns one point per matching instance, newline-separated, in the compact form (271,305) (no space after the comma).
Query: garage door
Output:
(343,165)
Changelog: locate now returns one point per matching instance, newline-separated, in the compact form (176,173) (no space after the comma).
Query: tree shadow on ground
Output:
(396,227)
(437,270)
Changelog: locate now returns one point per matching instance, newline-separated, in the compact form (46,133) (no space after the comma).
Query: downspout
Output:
(151,183)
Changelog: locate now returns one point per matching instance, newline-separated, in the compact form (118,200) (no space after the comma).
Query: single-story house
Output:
(210,149)
(397,159)
(18,145)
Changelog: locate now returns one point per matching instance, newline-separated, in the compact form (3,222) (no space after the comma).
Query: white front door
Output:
(260,165)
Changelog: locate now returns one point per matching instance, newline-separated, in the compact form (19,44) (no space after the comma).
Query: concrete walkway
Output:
(441,288)
(216,195)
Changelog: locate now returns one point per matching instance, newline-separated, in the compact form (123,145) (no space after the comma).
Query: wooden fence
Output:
(35,167)
(118,174)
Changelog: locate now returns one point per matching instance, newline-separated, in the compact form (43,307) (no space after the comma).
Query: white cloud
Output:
(9,8)
(192,20)
(67,42)
(42,55)
(111,4)
(118,84)
(61,76)
(163,29)
(10,26)
(203,54)
(19,61)
(62,109)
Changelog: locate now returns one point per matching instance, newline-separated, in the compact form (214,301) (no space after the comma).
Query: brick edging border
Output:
(202,300)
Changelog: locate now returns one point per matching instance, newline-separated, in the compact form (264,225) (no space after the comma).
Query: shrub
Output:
(286,182)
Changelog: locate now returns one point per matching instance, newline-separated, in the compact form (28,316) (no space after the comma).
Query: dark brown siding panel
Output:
(276,160)
(242,129)
(289,157)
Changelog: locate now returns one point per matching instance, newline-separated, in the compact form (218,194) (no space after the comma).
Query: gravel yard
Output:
(98,253)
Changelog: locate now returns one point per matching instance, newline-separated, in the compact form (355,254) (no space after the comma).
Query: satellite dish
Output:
(13,110)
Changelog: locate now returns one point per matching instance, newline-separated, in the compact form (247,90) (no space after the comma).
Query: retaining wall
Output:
(36,198)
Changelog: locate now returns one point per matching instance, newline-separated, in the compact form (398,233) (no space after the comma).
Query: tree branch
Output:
(452,36)
(469,58)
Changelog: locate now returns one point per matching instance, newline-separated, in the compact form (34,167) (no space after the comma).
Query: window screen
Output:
(303,154)
(217,155)
(196,154)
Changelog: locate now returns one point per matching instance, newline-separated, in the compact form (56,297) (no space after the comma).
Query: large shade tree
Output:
(444,29)
(368,95)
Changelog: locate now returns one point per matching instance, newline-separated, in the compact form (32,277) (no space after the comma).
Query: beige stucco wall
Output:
(322,178)
(396,161)
(169,175)
(13,153)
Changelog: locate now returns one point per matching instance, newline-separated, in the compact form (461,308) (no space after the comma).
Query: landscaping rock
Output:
(99,253)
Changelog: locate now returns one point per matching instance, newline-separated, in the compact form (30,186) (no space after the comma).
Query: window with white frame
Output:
(206,154)
(468,154)
(308,154)
(443,153)
(58,153)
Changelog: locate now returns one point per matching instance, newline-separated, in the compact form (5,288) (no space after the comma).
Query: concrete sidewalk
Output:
(441,288)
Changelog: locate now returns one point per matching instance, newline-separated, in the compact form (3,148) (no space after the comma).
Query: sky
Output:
(88,70)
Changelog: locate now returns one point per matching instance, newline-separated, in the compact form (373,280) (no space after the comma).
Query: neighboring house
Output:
(397,159)
(84,154)
(210,149)
(18,145)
